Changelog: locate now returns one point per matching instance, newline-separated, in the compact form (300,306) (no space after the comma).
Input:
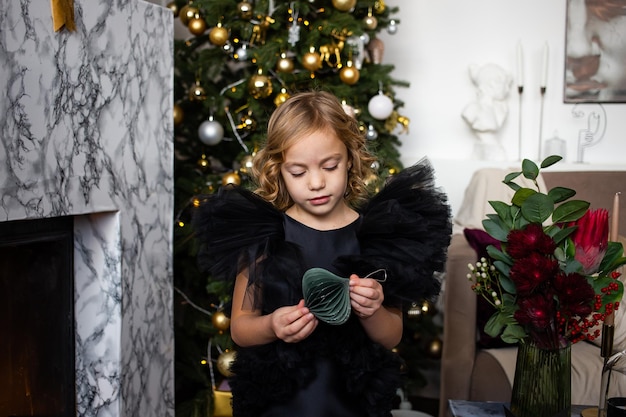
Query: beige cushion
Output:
(486,185)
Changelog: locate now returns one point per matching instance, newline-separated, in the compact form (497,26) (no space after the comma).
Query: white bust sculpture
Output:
(487,113)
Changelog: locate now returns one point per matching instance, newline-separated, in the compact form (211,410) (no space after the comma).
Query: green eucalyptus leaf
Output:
(558,235)
(572,266)
(502,209)
(570,211)
(559,194)
(613,258)
(537,208)
(550,160)
(513,333)
(497,255)
(559,254)
(507,284)
(530,170)
(496,229)
(508,302)
(508,180)
(521,195)
(494,325)
(511,176)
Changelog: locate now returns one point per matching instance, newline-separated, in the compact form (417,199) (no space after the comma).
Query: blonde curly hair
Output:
(301,115)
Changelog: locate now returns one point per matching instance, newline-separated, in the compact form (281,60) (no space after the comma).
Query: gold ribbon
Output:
(63,14)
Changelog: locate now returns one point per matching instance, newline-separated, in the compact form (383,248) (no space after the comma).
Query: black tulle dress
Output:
(338,371)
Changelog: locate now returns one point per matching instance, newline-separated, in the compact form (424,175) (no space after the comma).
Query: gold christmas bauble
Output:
(246,164)
(434,348)
(344,5)
(245,10)
(349,74)
(203,163)
(370,22)
(284,64)
(220,321)
(187,13)
(260,86)
(312,60)
(379,6)
(197,26)
(281,97)
(225,361)
(197,92)
(247,123)
(218,35)
(231,178)
(178,114)
(173,7)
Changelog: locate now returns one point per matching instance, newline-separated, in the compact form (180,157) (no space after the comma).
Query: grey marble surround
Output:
(86,131)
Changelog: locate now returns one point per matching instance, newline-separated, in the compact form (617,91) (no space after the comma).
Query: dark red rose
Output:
(529,273)
(575,294)
(523,242)
(538,310)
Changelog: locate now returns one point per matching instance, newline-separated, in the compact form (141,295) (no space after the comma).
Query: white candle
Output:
(520,65)
(615,219)
(544,69)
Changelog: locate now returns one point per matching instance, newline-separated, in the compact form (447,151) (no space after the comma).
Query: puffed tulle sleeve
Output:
(406,230)
(236,231)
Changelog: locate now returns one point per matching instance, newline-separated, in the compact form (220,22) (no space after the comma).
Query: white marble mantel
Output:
(86,131)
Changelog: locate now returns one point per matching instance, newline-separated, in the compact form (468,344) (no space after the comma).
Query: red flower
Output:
(538,311)
(523,242)
(529,273)
(591,239)
(575,294)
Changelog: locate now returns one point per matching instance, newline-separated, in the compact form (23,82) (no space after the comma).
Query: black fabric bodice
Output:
(320,248)
(326,394)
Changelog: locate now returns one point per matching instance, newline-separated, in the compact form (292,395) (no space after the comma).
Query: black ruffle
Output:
(406,231)
(372,373)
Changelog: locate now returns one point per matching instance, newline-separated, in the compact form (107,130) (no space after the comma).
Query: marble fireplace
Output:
(86,133)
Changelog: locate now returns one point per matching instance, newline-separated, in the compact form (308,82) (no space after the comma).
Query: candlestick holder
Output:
(542,91)
(520,91)
(611,399)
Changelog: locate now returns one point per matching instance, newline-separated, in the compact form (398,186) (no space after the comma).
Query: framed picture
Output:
(595,52)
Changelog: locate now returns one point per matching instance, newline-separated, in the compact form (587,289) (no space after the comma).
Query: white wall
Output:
(436,42)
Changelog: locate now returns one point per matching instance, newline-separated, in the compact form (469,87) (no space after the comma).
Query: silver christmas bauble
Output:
(371,133)
(210,132)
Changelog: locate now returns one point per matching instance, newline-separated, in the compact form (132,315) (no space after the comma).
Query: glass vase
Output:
(542,382)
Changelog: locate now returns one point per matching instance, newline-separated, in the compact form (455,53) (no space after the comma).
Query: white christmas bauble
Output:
(380,106)
(210,132)
(392,28)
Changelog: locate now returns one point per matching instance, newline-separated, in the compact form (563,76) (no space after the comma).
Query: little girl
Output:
(310,210)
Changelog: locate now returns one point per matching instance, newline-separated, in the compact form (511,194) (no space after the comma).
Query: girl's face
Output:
(315,172)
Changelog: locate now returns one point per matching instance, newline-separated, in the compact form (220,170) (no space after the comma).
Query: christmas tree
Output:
(241,60)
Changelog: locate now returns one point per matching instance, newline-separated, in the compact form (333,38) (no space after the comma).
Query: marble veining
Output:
(86,131)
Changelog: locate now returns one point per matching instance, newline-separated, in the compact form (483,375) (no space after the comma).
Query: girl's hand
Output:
(366,296)
(293,323)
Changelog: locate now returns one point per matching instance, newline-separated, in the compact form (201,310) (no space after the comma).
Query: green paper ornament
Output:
(327,295)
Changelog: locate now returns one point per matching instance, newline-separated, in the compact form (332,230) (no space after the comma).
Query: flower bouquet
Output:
(553,278)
